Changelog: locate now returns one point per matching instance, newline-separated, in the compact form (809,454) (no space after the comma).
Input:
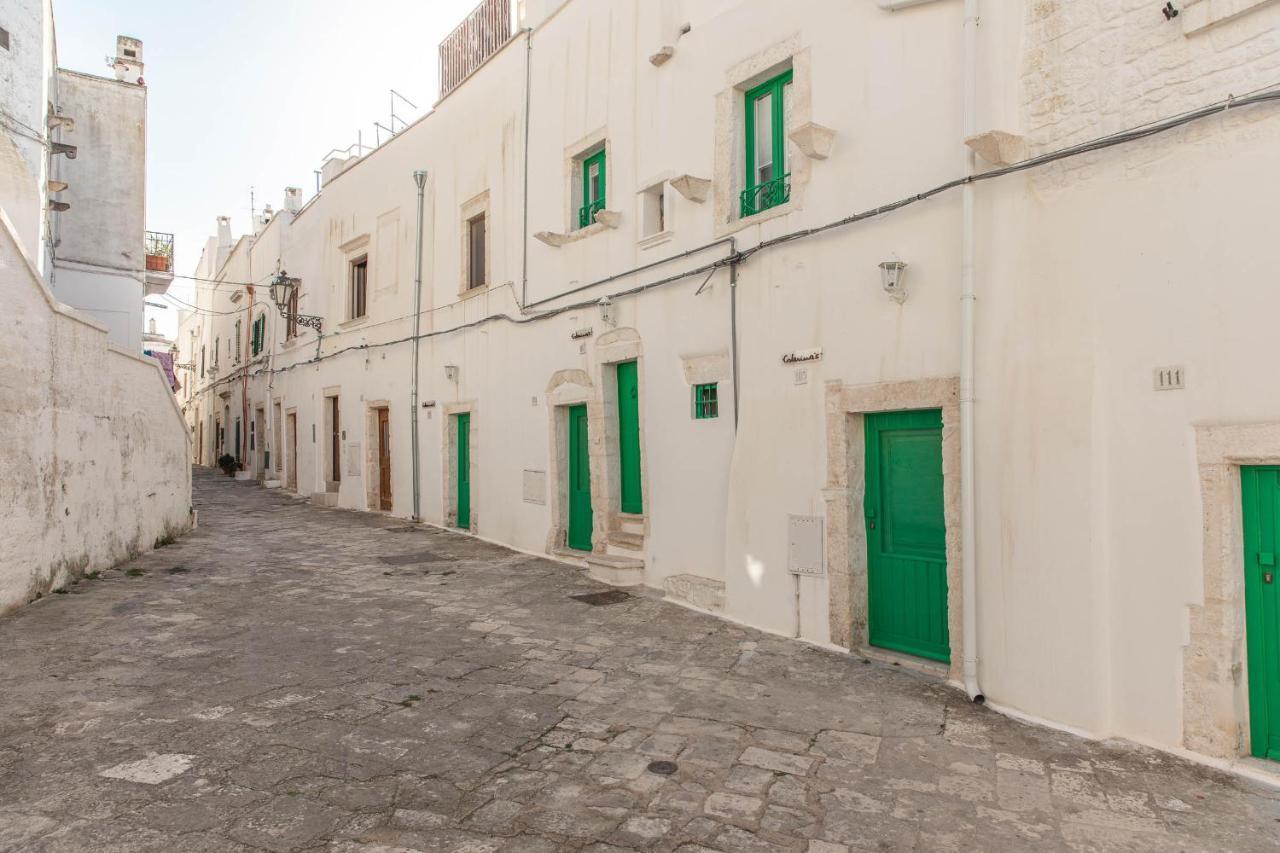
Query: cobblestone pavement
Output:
(294,678)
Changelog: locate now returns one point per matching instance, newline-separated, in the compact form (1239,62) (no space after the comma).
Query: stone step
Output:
(624,539)
(630,524)
(702,593)
(324,498)
(615,570)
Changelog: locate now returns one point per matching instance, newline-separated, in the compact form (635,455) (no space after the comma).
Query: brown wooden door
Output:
(293,451)
(336,443)
(384,459)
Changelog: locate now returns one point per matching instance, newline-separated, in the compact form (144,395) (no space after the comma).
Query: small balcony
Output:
(159,252)
(769,194)
(587,213)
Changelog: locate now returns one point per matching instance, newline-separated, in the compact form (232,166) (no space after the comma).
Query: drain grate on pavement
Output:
(663,768)
(599,599)
(412,559)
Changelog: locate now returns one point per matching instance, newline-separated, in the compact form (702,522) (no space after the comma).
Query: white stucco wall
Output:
(1091,274)
(26,86)
(93,469)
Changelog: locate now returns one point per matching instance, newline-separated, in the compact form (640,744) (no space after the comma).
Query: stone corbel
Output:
(660,58)
(609,218)
(694,189)
(814,140)
(552,238)
(998,147)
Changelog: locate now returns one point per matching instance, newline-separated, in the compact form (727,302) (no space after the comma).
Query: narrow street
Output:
(289,677)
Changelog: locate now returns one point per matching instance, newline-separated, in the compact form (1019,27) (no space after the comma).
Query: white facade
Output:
(95,454)
(1096,607)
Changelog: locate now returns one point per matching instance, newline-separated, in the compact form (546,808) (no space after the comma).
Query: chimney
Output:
(264,219)
(128,61)
(293,199)
(224,232)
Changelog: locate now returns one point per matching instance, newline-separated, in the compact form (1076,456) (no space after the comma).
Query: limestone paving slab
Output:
(292,677)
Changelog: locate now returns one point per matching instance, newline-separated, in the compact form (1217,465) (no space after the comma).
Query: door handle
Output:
(1268,577)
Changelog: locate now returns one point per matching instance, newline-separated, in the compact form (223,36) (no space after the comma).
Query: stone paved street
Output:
(289,677)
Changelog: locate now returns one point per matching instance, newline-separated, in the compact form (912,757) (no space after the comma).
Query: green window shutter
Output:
(593,188)
(706,402)
(768,182)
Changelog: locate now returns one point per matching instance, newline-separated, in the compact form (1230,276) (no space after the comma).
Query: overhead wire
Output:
(1257,96)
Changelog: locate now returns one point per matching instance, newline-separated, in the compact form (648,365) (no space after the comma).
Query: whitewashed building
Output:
(935,330)
(94,457)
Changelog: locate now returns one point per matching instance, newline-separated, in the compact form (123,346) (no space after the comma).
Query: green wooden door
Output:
(580,519)
(629,437)
(906,534)
(1260,486)
(464,470)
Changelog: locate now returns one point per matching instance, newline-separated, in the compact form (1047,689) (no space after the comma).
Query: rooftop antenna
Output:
(412,105)
(377,125)
(252,208)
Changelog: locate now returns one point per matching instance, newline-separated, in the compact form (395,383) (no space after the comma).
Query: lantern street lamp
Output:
(893,276)
(283,289)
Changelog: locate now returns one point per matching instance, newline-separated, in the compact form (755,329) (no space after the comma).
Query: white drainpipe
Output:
(968,502)
(968,508)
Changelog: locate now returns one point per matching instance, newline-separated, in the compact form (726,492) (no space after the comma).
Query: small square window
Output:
(359,286)
(653,211)
(706,401)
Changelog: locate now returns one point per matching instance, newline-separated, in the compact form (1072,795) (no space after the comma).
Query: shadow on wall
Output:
(93,464)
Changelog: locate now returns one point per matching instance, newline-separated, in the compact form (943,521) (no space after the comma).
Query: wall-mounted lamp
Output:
(451,372)
(893,274)
(606,311)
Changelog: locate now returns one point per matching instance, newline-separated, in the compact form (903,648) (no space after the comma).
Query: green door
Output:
(629,437)
(580,520)
(906,534)
(464,470)
(1261,489)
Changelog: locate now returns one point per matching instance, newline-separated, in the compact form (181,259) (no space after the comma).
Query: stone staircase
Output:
(615,570)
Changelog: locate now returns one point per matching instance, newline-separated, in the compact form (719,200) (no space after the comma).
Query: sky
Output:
(245,95)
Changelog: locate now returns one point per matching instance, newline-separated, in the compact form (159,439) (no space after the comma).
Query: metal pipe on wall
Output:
(419,178)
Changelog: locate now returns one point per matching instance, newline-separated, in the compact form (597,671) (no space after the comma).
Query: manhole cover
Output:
(663,768)
(412,559)
(599,599)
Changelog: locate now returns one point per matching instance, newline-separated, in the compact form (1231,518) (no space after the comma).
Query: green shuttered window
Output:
(706,401)
(768,181)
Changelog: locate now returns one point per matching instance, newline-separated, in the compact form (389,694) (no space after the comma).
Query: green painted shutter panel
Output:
(906,534)
(464,470)
(580,517)
(629,437)
(1260,489)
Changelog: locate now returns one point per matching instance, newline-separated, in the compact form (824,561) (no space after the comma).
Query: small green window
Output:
(593,174)
(706,401)
(768,181)
(259,330)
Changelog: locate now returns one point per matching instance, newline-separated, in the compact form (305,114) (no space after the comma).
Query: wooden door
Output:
(906,534)
(335,441)
(579,473)
(384,459)
(463,425)
(293,451)
(1260,487)
(631,490)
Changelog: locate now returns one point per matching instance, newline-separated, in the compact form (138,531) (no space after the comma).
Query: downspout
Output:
(968,503)
(420,178)
(524,239)
(733,325)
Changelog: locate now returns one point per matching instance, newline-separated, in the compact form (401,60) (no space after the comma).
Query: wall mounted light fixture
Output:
(451,372)
(607,315)
(893,274)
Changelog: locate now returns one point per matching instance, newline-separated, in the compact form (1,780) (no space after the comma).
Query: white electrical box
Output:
(804,545)
(535,487)
(353,459)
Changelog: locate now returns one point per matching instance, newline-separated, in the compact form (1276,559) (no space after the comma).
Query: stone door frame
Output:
(846,539)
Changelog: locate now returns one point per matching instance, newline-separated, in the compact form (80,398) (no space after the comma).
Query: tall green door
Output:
(464,470)
(632,497)
(580,519)
(1260,486)
(906,534)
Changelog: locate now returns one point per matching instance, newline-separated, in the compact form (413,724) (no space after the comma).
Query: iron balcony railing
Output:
(465,49)
(159,250)
(587,213)
(769,194)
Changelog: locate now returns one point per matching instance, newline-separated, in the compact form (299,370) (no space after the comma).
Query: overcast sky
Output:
(253,94)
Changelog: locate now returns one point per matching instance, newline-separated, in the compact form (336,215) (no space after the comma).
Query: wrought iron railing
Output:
(587,213)
(159,251)
(769,194)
